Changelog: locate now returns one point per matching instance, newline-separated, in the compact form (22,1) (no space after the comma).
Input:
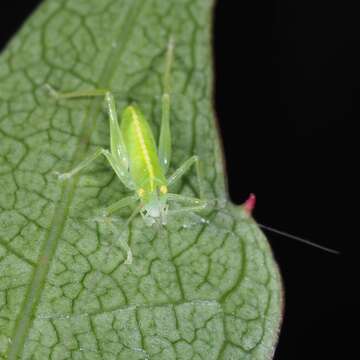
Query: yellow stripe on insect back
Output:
(144,150)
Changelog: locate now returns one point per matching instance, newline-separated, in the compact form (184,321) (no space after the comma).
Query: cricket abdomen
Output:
(144,164)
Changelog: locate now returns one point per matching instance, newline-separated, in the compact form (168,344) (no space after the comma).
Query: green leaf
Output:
(200,291)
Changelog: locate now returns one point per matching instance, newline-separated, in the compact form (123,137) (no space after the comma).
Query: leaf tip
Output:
(249,204)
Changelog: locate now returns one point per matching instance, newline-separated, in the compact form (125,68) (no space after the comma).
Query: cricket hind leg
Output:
(117,144)
(75,94)
(122,174)
(69,174)
(165,133)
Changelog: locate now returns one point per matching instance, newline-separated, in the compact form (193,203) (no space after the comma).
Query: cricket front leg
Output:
(124,202)
(192,203)
(119,233)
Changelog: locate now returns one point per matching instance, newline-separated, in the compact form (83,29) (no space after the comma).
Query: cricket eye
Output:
(141,192)
(163,189)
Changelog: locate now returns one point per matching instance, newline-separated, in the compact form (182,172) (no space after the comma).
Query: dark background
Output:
(287,96)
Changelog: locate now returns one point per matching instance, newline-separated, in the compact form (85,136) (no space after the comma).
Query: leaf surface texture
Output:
(196,290)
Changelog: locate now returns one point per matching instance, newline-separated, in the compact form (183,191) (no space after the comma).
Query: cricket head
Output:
(155,207)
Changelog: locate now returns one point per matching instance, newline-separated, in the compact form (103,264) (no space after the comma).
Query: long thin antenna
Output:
(297,238)
(249,206)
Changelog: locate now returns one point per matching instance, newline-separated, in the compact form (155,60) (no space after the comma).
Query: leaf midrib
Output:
(37,283)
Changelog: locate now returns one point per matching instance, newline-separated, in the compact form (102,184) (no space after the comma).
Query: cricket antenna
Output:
(298,238)
(249,206)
